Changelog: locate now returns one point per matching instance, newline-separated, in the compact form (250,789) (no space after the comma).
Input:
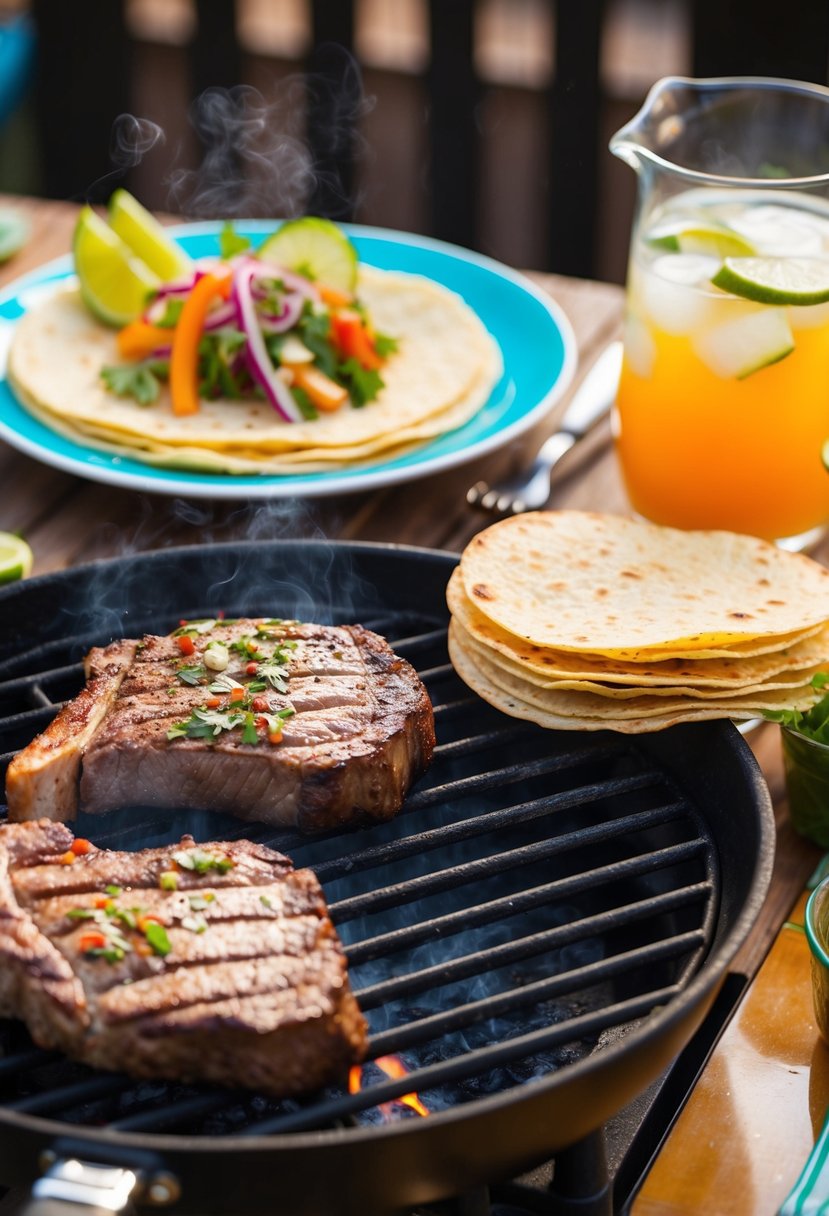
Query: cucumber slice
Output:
(316,248)
(746,344)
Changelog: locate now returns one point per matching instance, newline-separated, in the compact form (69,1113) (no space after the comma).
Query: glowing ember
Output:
(393,1067)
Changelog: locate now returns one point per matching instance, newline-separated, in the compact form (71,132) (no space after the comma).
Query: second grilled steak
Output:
(209,962)
(310,726)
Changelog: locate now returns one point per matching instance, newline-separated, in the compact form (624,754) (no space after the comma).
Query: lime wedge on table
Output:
(14,233)
(114,282)
(692,236)
(146,237)
(15,558)
(316,248)
(776,280)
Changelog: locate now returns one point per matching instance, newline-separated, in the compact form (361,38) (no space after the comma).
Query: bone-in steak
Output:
(213,962)
(304,725)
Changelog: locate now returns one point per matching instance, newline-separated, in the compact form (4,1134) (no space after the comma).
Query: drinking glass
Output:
(723,405)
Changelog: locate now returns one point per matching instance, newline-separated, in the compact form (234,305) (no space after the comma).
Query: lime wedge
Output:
(690,236)
(316,248)
(746,344)
(14,233)
(15,558)
(776,280)
(114,282)
(146,237)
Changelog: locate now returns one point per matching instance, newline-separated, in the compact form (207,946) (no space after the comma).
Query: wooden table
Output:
(740,1141)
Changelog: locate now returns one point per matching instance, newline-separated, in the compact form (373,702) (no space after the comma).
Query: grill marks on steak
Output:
(254,991)
(362,731)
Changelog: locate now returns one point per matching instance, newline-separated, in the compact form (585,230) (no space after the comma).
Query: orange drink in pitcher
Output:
(723,406)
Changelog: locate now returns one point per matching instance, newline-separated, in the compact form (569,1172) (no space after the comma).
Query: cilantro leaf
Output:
(137,380)
(812,723)
(363,383)
(230,242)
(385,345)
(315,331)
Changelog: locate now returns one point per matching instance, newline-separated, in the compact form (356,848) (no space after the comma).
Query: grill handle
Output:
(72,1187)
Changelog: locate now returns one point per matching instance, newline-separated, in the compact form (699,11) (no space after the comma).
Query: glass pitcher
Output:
(723,406)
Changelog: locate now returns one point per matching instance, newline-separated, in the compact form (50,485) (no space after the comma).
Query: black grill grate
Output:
(538,893)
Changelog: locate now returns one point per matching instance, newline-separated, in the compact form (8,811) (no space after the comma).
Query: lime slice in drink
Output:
(15,558)
(699,236)
(316,248)
(114,282)
(776,280)
(146,237)
(746,344)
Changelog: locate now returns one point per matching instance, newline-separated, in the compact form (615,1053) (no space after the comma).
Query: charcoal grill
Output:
(535,937)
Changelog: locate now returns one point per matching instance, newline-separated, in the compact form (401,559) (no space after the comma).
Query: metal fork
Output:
(530,489)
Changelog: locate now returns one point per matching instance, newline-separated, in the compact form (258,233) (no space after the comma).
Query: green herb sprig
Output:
(812,723)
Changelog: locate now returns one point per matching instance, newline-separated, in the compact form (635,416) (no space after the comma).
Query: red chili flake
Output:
(186,644)
(261,705)
(81,846)
(251,668)
(103,901)
(68,859)
(275,736)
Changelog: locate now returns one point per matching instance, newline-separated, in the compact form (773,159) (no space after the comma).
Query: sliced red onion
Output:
(258,359)
(292,280)
(286,318)
(219,318)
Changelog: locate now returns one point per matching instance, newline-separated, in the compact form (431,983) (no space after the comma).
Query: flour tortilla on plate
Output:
(729,669)
(445,366)
(608,585)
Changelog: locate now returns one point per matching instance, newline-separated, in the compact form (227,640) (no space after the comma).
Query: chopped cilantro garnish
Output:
(385,345)
(231,242)
(206,723)
(199,862)
(138,380)
(191,675)
(364,383)
(157,938)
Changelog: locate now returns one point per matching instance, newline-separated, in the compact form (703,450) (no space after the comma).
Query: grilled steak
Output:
(304,725)
(209,962)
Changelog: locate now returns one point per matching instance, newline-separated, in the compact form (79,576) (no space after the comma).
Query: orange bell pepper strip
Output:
(333,297)
(353,339)
(323,392)
(184,359)
(139,339)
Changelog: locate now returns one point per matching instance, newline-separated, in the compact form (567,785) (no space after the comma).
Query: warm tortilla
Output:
(443,371)
(608,585)
(586,715)
(797,679)
(737,667)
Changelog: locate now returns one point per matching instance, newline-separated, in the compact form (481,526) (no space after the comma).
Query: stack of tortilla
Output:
(582,621)
(442,373)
